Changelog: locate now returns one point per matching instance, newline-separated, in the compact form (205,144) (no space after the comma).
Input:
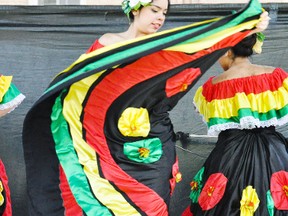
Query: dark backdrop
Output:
(38,42)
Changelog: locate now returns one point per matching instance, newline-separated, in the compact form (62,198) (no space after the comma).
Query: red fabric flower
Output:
(180,82)
(212,191)
(279,189)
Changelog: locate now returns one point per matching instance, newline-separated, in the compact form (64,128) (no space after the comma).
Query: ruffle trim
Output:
(248,122)
(263,104)
(248,85)
(13,103)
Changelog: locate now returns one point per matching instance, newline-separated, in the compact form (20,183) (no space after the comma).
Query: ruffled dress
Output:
(247,172)
(10,98)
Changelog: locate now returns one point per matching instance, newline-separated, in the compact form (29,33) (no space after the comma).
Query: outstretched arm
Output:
(263,24)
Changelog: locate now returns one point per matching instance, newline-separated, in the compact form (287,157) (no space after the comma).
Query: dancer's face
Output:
(151,18)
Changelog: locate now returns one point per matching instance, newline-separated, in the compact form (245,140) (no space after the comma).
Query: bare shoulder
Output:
(111,38)
(262,69)
(240,72)
(107,39)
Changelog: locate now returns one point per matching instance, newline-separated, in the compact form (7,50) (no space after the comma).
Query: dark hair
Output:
(131,16)
(245,47)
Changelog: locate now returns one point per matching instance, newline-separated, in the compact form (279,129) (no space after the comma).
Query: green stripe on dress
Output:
(69,161)
(246,112)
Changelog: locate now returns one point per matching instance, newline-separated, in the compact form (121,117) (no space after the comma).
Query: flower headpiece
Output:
(257,48)
(129,5)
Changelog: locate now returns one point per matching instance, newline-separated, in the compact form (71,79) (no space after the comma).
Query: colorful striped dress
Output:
(10,98)
(101,130)
(247,171)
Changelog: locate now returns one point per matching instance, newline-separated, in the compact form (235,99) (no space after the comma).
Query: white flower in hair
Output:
(135,4)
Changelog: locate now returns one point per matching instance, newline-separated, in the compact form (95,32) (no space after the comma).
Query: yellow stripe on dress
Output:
(226,108)
(209,41)
(72,109)
(104,49)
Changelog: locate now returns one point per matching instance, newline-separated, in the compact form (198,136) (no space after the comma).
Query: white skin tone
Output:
(147,20)
(150,19)
(238,67)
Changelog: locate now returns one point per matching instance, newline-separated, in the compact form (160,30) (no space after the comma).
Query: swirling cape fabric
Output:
(99,141)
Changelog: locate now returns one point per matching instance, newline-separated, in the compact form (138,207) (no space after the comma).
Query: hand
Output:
(263,23)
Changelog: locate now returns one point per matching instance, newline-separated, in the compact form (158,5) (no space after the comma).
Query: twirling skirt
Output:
(246,174)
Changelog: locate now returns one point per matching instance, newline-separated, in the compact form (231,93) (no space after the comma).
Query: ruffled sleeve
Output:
(244,103)
(10,96)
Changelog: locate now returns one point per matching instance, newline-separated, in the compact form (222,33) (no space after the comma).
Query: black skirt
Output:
(242,159)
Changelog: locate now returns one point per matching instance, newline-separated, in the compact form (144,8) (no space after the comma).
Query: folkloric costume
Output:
(10,98)
(100,141)
(247,172)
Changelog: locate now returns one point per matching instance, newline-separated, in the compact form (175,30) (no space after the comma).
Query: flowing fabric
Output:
(250,155)
(102,131)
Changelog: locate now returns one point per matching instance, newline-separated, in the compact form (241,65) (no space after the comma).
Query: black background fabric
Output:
(38,42)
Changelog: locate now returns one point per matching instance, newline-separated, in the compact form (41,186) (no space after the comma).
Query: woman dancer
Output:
(145,17)
(108,136)
(247,172)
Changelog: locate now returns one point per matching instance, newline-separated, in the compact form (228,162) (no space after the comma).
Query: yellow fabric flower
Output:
(249,202)
(134,122)
(144,152)
(257,48)
(178,177)
(1,195)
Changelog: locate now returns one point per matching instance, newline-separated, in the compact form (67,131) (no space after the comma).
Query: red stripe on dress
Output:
(69,203)
(100,100)
(247,85)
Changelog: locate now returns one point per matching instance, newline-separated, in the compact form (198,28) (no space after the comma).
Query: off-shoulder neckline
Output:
(239,79)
